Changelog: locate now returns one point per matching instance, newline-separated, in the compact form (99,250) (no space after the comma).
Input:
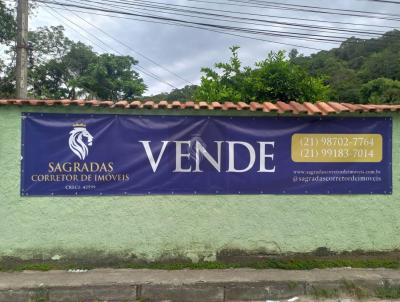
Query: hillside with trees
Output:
(360,71)
(178,94)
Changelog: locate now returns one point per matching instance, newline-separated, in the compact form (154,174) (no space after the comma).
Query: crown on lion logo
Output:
(79,125)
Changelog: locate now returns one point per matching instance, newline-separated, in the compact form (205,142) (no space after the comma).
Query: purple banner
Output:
(81,154)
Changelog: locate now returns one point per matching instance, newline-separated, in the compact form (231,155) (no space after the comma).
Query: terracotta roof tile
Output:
(268,107)
(188,105)
(394,107)
(319,108)
(51,102)
(164,105)
(204,105)
(135,104)
(19,102)
(353,107)
(123,104)
(325,108)
(105,103)
(298,108)
(285,107)
(312,109)
(256,106)
(94,103)
(230,106)
(37,102)
(380,108)
(149,105)
(177,104)
(216,105)
(243,106)
(367,108)
(338,107)
(66,102)
(79,102)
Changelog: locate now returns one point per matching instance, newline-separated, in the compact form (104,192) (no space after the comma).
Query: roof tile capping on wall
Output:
(318,108)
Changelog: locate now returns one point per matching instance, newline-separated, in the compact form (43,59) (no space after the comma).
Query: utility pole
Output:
(22,49)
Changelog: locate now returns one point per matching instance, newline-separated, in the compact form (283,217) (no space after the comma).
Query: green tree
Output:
(47,81)
(58,77)
(7,38)
(61,68)
(76,64)
(47,74)
(7,80)
(8,26)
(229,84)
(47,43)
(112,77)
(275,78)
(381,90)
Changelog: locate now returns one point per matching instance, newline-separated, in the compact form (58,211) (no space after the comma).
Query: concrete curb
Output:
(192,285)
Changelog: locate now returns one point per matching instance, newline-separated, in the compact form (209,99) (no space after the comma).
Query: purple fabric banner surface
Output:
(82,154)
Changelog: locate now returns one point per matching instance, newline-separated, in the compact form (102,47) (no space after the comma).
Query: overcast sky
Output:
(185,50)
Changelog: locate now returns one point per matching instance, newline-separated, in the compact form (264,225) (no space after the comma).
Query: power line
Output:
(173,9)
(317,10)
(253,30)
(130,48)
(221,29)
(225,32)
(266,15)
(310,7)
(384,1)
(153,3)
(196,27)
(224,28)
(250,13)
(73,29)
(142,69)
(291,35)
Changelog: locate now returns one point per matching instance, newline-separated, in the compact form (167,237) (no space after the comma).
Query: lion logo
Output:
(77,143)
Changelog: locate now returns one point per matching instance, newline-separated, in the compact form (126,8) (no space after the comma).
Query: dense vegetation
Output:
(362,71)
(275,78)
(359,70)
